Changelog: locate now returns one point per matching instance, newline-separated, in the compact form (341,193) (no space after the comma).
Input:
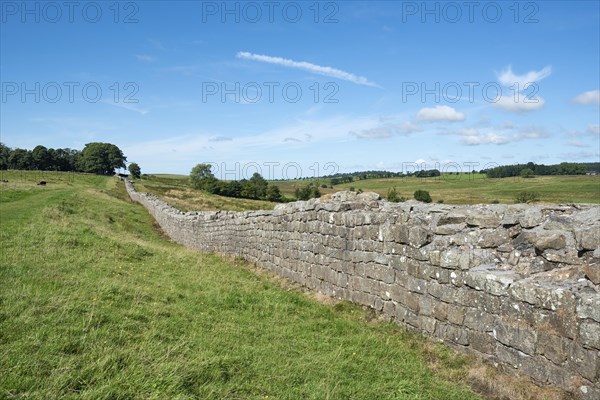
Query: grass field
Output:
(175,190)
(465,189)
(452,189)
(96,304)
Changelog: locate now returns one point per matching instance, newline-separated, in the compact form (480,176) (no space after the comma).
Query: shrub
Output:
(495,201)
(423,195)
(440,201)
(324,186)
(527,197)
(392,195)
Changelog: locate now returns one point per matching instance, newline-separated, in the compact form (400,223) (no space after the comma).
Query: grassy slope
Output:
(175,190)
(95,304)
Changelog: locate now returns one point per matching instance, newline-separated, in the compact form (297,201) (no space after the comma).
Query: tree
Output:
(526,173)
(307,192)
(423,195)
(274,194)
(134,170)
(4,154)
(41,158)
(202,178)
(101,158)
(19,159)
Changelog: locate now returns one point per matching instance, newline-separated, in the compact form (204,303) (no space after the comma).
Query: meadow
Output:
(451,189)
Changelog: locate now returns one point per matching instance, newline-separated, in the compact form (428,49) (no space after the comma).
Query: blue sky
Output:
(305,88)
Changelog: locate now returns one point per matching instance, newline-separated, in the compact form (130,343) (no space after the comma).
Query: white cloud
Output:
(593,129)
(220,139)
(508,78)
(531,133)
(440,113)
(373,133)
(577,143)
(145,57)
(472,137)
(306,66)
(387,130)
(591,97)
(521,104)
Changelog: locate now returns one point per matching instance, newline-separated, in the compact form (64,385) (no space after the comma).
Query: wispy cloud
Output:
(474,136)
(520,104)
(440,113)
(220,139)
(508,78)
(127,106)
(591,97)
(593,129)
(145,57)
(306,66)
(387,130)
(577,143)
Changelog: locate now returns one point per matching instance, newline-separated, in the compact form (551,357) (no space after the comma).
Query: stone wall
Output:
(517,285)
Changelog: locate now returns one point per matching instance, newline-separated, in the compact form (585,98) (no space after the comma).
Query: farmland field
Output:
(452,189)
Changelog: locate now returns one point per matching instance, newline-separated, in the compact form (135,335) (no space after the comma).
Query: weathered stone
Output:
(452,218)
(368,196)
(452,333)
(449,229)
(589,306)
(590,334)
(481,342)
(484,220)
(418,237)
(479,320)
(592,272)
(449,258)
(552,241)
(553,347)
(516,335)
(585,361)
(531,218)
(588,238)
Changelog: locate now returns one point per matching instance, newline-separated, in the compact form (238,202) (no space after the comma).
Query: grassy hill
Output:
(95,303)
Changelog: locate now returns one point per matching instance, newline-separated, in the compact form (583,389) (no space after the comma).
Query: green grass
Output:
(452,189)
(95,304)
(466,189)
(175,190)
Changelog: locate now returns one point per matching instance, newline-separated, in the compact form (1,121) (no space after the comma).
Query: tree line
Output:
(530,169)
(96,158)
(257,188)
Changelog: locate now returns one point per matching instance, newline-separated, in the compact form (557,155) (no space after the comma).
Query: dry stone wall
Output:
(518,285)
